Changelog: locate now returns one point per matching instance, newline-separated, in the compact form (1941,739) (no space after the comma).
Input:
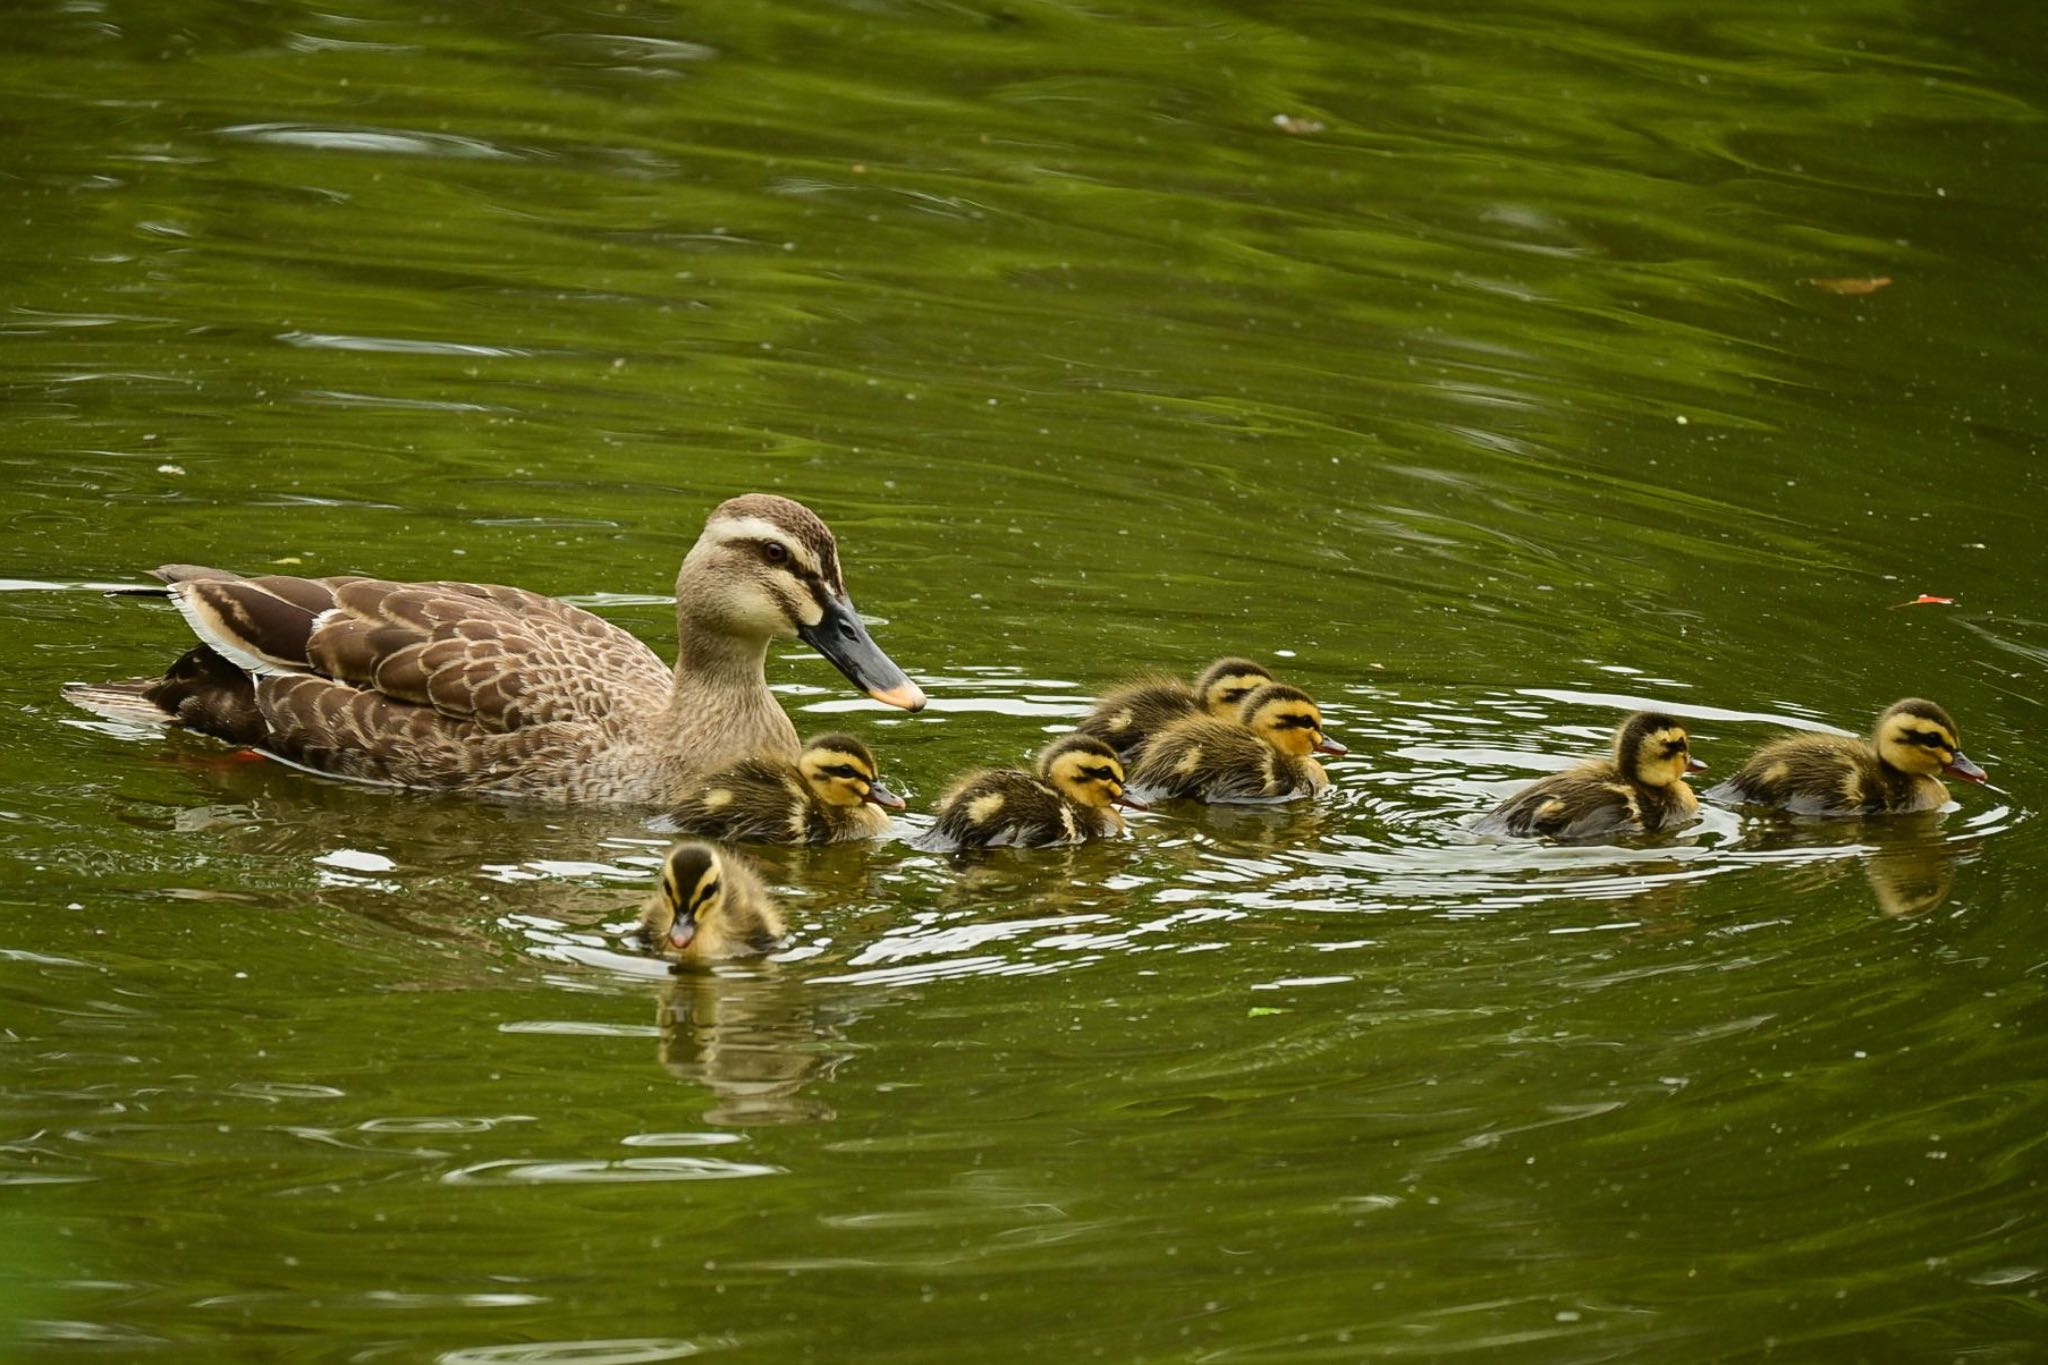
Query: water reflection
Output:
(756,1037)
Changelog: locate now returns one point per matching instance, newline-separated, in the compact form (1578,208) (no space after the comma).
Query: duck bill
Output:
(1693,765)
(1326,745)
(682,934)
(840,637)
(879,795)
(1129,802)
(1968,771)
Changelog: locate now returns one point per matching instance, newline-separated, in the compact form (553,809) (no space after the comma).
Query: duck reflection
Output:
(754,1037)
(1910,866)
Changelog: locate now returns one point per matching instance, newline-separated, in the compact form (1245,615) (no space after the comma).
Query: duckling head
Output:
(1654,749)
(842,772)
(1288,719)
(1086,771)
(692,895)
(767,568)
(1916,736)
(1225,684)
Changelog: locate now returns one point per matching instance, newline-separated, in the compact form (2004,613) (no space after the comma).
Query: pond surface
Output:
(1489,370)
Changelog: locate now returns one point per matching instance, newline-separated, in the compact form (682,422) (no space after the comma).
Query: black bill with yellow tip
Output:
(840,637)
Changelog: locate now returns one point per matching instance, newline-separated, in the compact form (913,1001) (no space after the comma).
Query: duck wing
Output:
(444,684)
(501,658)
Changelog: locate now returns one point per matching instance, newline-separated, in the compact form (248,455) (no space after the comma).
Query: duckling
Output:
(1129,715)
(831,795)
(1072,798)
(1895,770)
(710,905)
(1640,789)
(1263,755)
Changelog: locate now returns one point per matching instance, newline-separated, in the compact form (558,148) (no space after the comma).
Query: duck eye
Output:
(776,552)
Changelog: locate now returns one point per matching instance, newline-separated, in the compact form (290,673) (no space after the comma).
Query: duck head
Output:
(767,568)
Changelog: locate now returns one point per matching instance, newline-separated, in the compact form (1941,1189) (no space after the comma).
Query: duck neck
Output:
(720,709)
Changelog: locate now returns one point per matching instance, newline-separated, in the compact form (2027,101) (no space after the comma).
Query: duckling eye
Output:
(775,552)
(1099,774)
(845,770)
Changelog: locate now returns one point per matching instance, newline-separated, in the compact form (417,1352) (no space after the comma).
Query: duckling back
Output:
(1831,775)
(1007,808)
(1201,758)
(1590,801)
(1129,716)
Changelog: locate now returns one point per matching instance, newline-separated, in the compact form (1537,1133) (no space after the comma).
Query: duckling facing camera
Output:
(1639,789)
(1263,755)
(1898,769)
(1129,715)
(710,905)
(831,795)
(1073,798)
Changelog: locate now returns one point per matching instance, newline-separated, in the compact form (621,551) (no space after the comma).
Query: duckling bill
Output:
(832,794)
(1263,755)
(709,905)
(1898,769)
(1072,798)
(1639,789)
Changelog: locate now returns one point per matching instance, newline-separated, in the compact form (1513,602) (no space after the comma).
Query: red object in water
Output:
(1926,600)
(247,756)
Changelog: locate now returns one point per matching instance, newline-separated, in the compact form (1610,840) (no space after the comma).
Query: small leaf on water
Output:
(1302,127)
(1256,1010)
(1852,285)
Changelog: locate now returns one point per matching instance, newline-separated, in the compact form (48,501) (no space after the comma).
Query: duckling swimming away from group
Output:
(710,905)
(1128,716)
(1897,769)
(1640,789)
(1263,755)
(1073,798)
(832,794)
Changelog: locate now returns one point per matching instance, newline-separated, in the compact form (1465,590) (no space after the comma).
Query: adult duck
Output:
(478,688)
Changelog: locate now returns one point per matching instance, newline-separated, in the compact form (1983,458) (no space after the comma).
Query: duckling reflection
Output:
(1263,755)
(1639,788)
(831,795)
(1128,716)
(1898,769)
(755,1038)
(1910,866)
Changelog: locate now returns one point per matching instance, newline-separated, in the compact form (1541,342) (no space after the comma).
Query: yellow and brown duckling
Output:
(1899,768)
(710,905)
(830,795)
(1129,715)
(1262,755)
(1639,789)
(1072,798)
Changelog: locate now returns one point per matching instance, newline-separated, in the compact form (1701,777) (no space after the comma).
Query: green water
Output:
(1491,401)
